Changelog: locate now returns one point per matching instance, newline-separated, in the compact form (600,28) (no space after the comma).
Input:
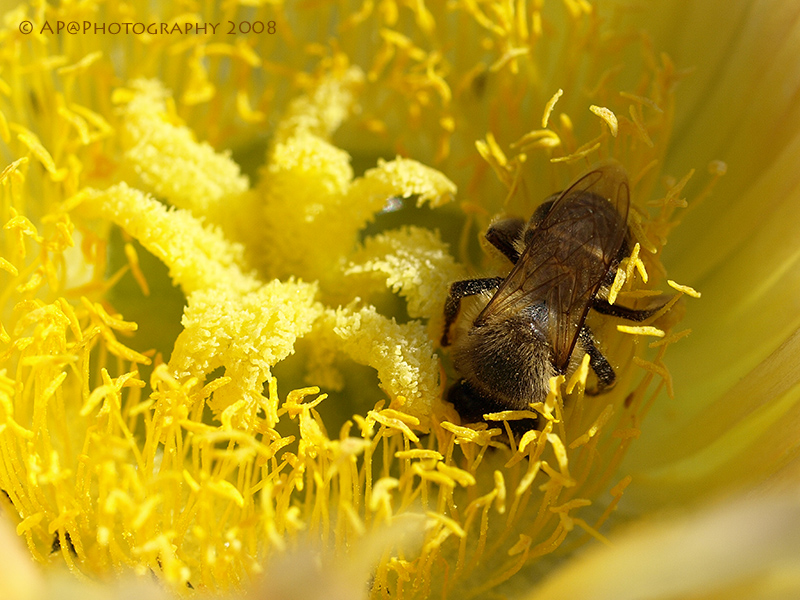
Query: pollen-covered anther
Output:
(527,438)
(670,339)
(583,151)
(380,502)
(462,477)
(538,138)
(522,546)
(608,116)
(580,375)
(641,330)
(295,404)
(658,368)
(418,453)
(557,480)
(635,111)
(470,435)
(553,403)
(449,524)
(491,152)
(563,511)
(689,291)
(548,108)
(596,427)
(35,146)
(635,262)
(394,420)
(510,415)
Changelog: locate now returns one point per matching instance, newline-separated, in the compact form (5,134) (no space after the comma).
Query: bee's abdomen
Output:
(506,360)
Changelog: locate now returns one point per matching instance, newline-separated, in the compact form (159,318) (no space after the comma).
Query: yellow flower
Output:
(219,350)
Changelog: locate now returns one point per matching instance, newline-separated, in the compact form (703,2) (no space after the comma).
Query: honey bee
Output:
(565,259)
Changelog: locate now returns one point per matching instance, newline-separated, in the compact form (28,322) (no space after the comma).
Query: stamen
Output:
(548,108)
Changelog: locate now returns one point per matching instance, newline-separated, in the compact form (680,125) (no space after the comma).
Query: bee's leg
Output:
(460,289)
(56,545)
(615,310)
(601,367)
(504,235)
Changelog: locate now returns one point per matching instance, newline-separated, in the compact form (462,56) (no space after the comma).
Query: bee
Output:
(565,259)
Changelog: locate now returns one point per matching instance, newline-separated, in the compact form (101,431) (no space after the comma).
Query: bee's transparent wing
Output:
(567,259)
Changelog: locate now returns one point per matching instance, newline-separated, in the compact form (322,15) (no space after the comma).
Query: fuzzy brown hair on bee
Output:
(564,261)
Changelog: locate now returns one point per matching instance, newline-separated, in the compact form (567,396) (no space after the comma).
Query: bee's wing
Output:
(567,258)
